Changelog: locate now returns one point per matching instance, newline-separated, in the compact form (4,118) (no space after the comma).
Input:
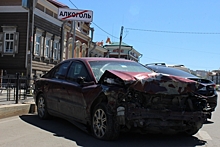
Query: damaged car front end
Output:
(106,96)
(153,103)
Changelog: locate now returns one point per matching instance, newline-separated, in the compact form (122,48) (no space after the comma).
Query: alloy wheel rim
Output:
(99,123)
(41,107)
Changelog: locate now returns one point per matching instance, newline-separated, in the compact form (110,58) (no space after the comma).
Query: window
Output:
(9,40)
(37,45)
(56,48)
(60,71)
(79,25)
(38,42)
(49,12)
(76,70)
(55,51)
(40,7)
(47,48)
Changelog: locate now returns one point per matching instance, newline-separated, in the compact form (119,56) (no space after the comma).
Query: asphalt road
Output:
(29,130)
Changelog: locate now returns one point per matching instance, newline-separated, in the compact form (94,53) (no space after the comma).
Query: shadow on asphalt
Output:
(63,128)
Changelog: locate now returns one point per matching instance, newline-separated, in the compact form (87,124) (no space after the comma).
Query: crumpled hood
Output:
(153,83)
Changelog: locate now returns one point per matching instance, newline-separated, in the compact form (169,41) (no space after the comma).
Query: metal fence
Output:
(15,87)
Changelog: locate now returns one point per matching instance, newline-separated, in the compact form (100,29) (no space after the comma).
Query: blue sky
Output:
(171,31)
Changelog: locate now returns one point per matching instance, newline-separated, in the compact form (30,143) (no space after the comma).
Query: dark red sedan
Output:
(109,96)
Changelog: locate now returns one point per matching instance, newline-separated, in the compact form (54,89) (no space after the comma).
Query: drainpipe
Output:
(94,44)
(67,52)
(62,41)
(74,38)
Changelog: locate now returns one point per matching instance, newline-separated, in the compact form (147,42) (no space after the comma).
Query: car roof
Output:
(158,64)
(99,59)
(178,66)
(171,71)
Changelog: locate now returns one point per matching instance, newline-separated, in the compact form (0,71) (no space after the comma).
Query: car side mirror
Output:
(82,82)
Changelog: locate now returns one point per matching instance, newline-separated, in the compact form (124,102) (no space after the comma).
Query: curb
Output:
(17,109)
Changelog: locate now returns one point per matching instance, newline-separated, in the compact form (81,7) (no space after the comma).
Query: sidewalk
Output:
(8,106)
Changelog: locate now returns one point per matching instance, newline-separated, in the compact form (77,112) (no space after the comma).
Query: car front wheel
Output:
(103,124)
(42,108)
(194,129)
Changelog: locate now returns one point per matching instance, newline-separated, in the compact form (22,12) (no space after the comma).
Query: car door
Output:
(73,95)
(55,87)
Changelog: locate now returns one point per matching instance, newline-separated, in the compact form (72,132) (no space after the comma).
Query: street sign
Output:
(75,14)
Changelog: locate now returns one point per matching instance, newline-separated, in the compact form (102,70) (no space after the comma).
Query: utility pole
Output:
(91,42)
(119,50)
(31,13)
(74,36)
(31,6)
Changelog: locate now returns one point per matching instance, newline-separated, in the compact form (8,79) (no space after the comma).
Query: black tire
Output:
(42,107)
(194,129)
(191,131)
(103,124)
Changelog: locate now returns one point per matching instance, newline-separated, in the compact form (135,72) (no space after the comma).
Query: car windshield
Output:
(99,67)
(173,71)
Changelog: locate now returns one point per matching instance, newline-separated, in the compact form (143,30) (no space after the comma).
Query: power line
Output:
(158,31)
(96,24)
(73,4)
(105,31)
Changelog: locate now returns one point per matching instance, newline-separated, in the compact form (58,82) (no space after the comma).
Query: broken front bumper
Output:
(145,117)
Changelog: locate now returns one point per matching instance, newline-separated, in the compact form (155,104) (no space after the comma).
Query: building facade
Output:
(33,40)
(126,51)
(13,35)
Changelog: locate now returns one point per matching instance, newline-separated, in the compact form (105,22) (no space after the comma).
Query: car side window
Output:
(60,71)
(76,70)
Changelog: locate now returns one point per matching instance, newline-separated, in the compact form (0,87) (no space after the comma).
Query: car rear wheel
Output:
(103,124)
(42,108)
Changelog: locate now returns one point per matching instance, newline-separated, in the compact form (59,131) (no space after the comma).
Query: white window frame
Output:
(37,45)
(9,40)
(56,48)
(38,34)
(48,46)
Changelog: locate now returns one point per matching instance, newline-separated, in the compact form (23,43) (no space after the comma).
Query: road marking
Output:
(204,135)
